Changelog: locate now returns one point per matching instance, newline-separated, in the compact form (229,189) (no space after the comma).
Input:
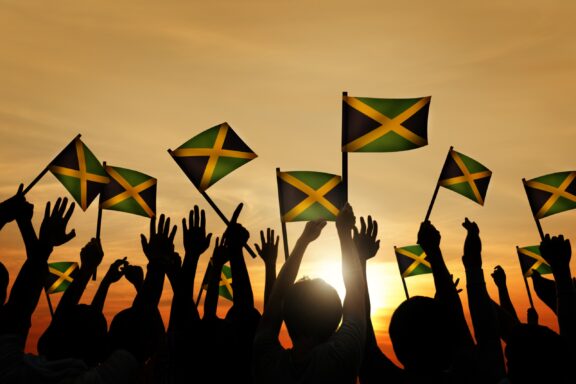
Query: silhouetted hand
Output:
(532,316)
(345,221)
(160,242)
(556,251)
(116,270)
(220,256)
(12,208)
(312,230)
(456,282)
(236,235)
(195,239)
(365,239)
(499,277)
(472,246)
(135,275)
(53,227)
(171,263)
(269,250)
(91,255)
(429,239)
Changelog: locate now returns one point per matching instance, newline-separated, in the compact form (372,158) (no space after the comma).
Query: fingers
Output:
(152,227)
(69,236)
(184,226)
(173,233)
(362,225)
(277,240)
(47,210)
(236,213)
(20,190)
(68,214)
(143,241)
(258,249)
(56,207)
(262,240)
(202,219)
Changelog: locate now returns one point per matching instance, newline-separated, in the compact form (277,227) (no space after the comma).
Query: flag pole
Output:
(401,276)
(536,220)
(284,232)
(344,153)
(99,221)
(49,302)
(525,280)
(435,191)
(37,179)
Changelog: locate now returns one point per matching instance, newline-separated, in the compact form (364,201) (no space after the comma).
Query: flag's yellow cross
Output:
(539,260)
(62,276)
(418,259)
(80,173)
(556,193)
(386,124)
(226,281)
(130,192)
(214,154)
(314,195)
(467,177)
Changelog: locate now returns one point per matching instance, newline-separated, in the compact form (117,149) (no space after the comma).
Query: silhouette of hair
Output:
(137,330)
(80,333)
(421,336)
(311,309)
(536,354)
(4,278)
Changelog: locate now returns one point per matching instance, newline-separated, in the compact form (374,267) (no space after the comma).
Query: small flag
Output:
(306,196)
(61,275)
(129,191)
(384,125)
(465,176)
(225,285)
(532,260)
(412,261)
(211,155)
(551,194)
(80,172)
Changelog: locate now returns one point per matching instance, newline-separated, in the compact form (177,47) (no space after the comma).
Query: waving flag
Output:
(211,155)
(61,275)
(552,193)
(80,172)
(129,191)
(531,260)
(225,284)
(465,176)
(412,261)
(384,125)
(306,196)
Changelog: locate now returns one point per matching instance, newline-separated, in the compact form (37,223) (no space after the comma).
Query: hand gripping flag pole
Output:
(524,277)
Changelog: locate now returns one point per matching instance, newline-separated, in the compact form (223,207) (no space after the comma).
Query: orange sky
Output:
(138,77)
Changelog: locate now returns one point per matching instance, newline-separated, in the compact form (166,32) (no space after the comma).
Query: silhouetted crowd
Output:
(333,341)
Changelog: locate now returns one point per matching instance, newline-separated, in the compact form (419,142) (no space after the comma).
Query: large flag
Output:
(384,125)
(129,191)
(465,176)
(532,260)
(61,275)
(306,196)
(225,285)
(412,261)
(552,193)
(211,155)
(80,172)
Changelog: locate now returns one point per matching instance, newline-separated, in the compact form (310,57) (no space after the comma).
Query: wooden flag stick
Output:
(49,302)
(199,296)
(525,280)
(436,191)
(37,179)
(283,223)
(402,277)
(536,220)
(344,153)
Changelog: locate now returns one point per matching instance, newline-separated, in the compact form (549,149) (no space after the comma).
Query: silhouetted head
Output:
(78,333)
(311,310)
(536,354)
(138,331)
(421,336)
(3,284)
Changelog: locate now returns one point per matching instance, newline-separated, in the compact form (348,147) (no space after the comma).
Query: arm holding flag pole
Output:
(435,192)
(525,280)
(344,152)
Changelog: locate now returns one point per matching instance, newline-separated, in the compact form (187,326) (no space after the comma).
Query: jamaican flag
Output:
(532,260)
(129,191)
(412,261)
(306,196)
(80,172)
(551,194)
(225,285)
(211,155)
(465,176)
(61,275)
(384,125)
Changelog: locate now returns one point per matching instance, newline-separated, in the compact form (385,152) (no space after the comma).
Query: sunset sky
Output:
(138,77)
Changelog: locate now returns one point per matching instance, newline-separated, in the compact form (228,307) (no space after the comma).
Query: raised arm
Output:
(268,252)
(219,258)
(484,318)
(545,290)
(557,252)
(499,276)
(114,274)
(272,317)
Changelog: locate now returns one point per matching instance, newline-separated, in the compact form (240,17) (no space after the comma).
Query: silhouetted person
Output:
(268,252)
(322,352)
(499,277)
